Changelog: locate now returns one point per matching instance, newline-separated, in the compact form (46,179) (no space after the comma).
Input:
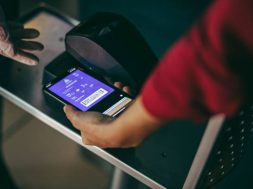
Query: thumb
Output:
(72,115)
(85,120)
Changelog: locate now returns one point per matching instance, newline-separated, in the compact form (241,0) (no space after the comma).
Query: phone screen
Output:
(81,90)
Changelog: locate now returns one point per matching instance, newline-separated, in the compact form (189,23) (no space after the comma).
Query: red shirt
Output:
(195,79)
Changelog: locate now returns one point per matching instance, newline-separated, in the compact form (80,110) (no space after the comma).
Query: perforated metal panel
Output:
(229,148)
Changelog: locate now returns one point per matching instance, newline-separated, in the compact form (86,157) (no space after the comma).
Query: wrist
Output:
(131,132)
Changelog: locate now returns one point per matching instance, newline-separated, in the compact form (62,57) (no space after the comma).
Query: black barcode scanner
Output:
(110,45)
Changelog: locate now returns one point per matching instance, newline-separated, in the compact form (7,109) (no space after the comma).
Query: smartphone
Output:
(87,91)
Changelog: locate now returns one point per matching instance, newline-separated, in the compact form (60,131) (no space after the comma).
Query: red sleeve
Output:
(194,79)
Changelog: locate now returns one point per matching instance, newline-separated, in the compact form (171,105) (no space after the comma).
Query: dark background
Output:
(161,22)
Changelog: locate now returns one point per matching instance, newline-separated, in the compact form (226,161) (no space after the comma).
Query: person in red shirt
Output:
(207,72)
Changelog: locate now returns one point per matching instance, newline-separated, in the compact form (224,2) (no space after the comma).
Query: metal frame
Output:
(208,140)
(77,138)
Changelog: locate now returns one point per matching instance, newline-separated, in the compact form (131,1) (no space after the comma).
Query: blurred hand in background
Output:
(14,44)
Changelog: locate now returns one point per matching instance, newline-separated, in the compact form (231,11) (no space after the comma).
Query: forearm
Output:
(134,125)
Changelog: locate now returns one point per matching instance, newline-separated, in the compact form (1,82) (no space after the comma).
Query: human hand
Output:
(120,86)
(94,131)
(128,130)
(13,45)
(92,126)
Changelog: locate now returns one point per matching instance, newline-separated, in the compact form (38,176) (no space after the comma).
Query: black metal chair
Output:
(214,160)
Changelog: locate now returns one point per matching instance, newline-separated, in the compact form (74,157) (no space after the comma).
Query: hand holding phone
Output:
(87,91)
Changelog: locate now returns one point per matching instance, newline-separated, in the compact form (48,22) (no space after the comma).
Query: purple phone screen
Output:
(81,90)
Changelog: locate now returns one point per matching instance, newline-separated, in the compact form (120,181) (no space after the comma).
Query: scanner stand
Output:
(59,66)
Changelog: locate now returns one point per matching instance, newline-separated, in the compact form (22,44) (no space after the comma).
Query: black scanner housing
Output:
(110,45)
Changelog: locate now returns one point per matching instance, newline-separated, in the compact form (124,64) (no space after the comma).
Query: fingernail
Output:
(64,108)
(29,63)
(33,63)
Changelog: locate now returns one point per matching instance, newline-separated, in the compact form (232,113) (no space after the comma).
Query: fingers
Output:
(24,33)
(18,32)
(127,90)
(88,140)
(93,126)
(72,115)
(80,120)
(83,120)
(120,86)
(95,141)
(14,47)
(29,45)
(25,58)
(6,48)
(85,140)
